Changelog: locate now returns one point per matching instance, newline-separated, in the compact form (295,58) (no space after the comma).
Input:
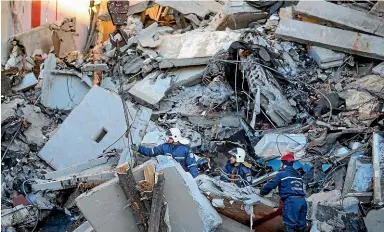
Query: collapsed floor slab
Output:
(193,48)
(332,38)
(326,58)
(28,82)
(198,7)
(103,206)
(80,139)
(341,16)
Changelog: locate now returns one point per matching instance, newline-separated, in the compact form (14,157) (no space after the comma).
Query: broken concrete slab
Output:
(359,176)
(332,38)
(29,81)
(93,176)
(286,12)
(326,58)
(61,91)
(135,6)
(378,8)
(379,69)
(235,15)
(153,138)
(80,167)
(374,221)
(341,16)
(103,205)
(156,83)
(193,48)
(274,145)
(36,38)
(94,136)
(378,168)
(198,7)
(94,67)
(187,76)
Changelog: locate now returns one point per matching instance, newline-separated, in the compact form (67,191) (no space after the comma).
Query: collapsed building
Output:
(269,77)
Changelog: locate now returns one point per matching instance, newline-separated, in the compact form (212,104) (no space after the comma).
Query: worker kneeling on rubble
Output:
(291,188)
(235,171)
(177,147)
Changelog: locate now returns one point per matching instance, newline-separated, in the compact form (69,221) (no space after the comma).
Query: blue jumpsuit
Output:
(291,187)
(178,151)
(232,174)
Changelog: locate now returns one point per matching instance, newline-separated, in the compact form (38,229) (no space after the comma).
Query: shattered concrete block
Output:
(193,48)
(94,67)
(154,138)
(379,69)
(374,221)
(332,38)
(133,66)
(36,38)
(378,8)
(378,168)
(235,15)
(326,58)
(274,145)
(198,7)
(61,91)
(103,205)
(107,125)
(152,88)
(187,76)
(359,176)
(341,16)
(217,92)
(286,12)
(28,82)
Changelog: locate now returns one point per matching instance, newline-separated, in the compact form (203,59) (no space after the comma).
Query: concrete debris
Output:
(29,81)
(374,220)
(218,71)
(193,48)
(97,134)
(326,58)
(200,8)
(341,16)
(110,200)
(379,69)
(235,15)
(344,41)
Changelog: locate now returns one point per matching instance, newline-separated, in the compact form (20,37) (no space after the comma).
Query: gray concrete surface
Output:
(85,227)
(193,48)
(29,80)
(198,7)
(332,38)
(379,69)
(342,16)
(75,141)
(235,15)
(103,205)
(94,67)
(187,76)
(59,90)
(152,88)
(374,221)
(324,55)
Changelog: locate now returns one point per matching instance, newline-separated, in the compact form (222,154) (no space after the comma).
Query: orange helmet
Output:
(288,157)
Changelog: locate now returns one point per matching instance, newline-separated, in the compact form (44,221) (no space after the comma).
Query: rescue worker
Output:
(292,195)
(176,146)
(235,171)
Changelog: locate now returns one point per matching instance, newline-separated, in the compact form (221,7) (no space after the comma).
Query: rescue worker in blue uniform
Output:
(291,188)
(234,170)
(177,147)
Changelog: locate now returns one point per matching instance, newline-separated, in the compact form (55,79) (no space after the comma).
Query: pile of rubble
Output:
(270,77)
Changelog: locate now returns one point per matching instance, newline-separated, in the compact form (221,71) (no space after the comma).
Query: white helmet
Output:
(175,134)
(239,153)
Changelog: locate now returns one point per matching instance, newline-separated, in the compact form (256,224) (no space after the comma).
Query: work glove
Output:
(257,191)
(134,147)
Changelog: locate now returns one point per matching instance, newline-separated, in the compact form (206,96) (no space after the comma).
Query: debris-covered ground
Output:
(270,77)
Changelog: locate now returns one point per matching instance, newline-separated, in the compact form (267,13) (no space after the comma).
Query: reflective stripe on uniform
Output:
(192,165)
(179,157)
(291,177)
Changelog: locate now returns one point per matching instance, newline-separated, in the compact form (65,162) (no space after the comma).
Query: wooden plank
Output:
(157,204)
